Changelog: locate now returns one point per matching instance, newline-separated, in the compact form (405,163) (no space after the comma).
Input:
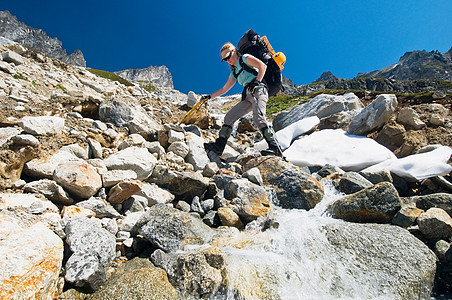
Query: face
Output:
(230,58)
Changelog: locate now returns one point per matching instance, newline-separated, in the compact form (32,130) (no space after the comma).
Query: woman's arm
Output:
(258,64)
(227,86)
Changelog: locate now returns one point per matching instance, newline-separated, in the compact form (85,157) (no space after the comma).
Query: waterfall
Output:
(295,261)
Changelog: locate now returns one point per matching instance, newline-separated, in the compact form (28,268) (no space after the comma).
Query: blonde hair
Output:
(228,46)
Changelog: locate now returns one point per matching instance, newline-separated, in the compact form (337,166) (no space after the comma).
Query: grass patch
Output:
(20,76)
(61,88)
(111,76)
(150,87)
(282,102)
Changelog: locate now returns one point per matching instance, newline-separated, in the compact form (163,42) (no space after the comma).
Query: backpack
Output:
(259,47)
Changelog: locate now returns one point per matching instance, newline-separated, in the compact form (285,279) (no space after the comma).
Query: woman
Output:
(248,71)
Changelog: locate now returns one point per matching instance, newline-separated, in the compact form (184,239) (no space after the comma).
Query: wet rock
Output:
(229,218)
(294,187)
(250,200)
(376,204)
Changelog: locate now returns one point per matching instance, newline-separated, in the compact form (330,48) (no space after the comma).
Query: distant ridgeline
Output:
(416,72)
(160,76)
(14,30)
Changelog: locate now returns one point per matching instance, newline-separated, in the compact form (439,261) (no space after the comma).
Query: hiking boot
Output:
(270,138)
(272,150)
(217,147)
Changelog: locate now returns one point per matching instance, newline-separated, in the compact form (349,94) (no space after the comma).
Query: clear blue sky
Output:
(344,37)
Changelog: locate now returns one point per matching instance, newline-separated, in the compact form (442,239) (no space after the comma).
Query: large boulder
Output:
(374,116)
(170,229)
(321,106)
(294,187)
(93,250)
(126,112)
(377,204)
(32,256)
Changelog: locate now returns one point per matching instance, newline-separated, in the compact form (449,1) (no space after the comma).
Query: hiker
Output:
(253,86)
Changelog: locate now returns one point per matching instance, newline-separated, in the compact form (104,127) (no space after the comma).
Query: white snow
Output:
(358,153)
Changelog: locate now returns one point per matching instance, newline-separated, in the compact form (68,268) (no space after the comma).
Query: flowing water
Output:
(294,261)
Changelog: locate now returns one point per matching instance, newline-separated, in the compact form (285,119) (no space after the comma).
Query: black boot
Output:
(273,147)
(220,142)
(217,147)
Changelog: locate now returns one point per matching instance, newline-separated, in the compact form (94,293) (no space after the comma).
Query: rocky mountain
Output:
(17,31)
(416,72)
(417,65)
(158,75)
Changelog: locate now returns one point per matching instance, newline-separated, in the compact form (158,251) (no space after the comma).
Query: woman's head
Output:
(227,51)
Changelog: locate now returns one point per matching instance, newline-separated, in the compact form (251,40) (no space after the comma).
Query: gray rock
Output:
(373,116)
(435,223)
(294,188)
(137,279)
(439,200)
(170,229)
(136,159)
(93,250)
(50,189)
(321,106)
(12,57)
(102,208)
(127,113)
(42,125)
(197,156)
(352,182)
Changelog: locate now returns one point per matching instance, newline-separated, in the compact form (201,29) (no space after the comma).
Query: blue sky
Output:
(344,37)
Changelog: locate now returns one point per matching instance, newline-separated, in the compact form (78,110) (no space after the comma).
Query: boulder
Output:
(42,125)
(32,256)
(170,229)
(294,187)
(321,106)
(137,279)
(79,178)
(435,223)
(93,250)
(377,204)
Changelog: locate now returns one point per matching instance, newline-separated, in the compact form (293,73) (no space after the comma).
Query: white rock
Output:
(42,125)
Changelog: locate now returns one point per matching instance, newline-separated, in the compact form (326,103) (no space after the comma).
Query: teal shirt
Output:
(244,77)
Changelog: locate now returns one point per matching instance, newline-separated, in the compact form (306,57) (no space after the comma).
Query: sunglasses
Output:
(227,57)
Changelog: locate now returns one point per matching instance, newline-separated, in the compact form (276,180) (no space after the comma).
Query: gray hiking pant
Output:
(247,105)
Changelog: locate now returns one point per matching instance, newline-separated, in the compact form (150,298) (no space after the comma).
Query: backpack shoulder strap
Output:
(246,67)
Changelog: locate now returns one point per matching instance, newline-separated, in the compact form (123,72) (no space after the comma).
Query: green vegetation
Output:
(111,76)
(150,87)
(445,84)
(20,76)
(61,88)
(281,102)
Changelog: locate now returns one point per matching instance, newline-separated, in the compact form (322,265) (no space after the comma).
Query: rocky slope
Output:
(102,173)
(15,30)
